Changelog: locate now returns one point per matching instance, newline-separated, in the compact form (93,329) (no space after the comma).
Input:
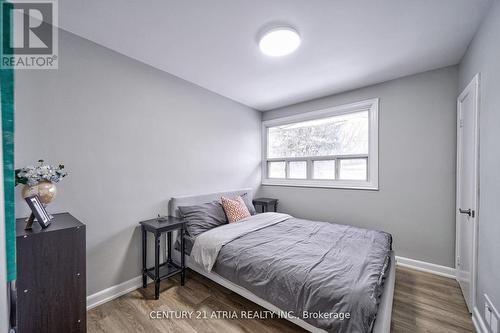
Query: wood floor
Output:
(422,303)
(425,302)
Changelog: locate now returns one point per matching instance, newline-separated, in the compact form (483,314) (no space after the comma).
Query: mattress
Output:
(327,274)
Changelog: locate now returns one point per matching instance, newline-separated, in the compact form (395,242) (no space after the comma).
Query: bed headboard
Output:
(189,200)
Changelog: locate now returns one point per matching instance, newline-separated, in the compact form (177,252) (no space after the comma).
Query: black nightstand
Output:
(265,203)
(169,267)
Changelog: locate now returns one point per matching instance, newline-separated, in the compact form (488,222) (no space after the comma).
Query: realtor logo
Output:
(29,38)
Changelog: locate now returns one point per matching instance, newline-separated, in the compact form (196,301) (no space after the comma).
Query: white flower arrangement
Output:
(33,175)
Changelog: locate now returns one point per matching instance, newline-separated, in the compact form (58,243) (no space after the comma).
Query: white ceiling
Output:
(346,44)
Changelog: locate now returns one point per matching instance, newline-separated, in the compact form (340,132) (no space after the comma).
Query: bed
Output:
(223,256)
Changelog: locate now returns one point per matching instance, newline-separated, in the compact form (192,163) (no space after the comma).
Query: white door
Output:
(467,190)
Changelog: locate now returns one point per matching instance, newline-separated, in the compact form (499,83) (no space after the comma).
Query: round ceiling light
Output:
(279,42)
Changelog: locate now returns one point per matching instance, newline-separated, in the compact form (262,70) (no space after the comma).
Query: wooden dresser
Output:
(51,271)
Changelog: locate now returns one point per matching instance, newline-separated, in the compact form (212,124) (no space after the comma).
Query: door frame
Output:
(473,86)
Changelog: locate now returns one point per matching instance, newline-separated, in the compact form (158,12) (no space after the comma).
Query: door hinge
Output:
(458,261)
(461,123)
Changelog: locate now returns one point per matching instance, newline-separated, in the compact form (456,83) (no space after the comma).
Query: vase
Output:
(45,190)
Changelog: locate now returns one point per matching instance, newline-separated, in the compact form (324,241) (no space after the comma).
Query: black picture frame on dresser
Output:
(38,211)
(51,276)
(169,268)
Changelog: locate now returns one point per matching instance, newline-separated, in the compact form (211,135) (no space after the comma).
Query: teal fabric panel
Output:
(7,107)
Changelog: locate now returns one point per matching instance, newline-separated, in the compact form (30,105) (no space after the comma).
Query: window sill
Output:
(351,185)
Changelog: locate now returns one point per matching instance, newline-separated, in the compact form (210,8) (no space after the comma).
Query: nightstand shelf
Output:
(167,269)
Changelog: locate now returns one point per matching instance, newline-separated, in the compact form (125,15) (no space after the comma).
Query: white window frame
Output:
(371,183)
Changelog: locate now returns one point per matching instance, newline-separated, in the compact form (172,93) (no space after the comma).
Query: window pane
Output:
(297,169)
(353,169)
(324,169)
(337,135)
(276,169)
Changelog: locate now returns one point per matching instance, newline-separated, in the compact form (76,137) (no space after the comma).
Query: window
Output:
(335,147)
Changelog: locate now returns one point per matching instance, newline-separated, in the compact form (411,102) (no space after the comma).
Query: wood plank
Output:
(423,302)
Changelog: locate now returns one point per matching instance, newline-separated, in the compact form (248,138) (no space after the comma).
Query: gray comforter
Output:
(320,272)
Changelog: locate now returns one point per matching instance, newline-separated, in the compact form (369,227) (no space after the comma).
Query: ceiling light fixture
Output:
(279,41)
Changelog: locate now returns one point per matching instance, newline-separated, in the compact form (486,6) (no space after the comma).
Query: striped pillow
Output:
(236,210)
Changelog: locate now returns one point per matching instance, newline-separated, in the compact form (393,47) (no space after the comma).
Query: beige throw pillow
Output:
(235,210)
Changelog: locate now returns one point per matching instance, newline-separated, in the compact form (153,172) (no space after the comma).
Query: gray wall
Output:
(483,56)
(417,148)
(131,137)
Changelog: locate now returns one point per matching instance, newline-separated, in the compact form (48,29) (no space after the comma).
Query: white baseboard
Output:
(113,292)
(118,290)
(478,322)
(426,267)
